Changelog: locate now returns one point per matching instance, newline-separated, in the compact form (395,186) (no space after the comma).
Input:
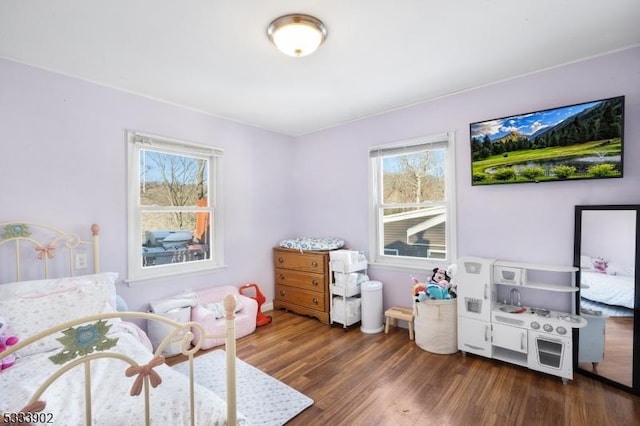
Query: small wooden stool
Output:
(397,313)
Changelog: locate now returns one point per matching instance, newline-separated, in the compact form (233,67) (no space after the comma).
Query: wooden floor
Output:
(617,363)
(385,379)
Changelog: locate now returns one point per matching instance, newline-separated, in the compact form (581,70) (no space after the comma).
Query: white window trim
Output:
(136,273)
(375,219)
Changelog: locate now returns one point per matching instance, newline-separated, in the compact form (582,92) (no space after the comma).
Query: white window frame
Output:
(376,205)
(138,141)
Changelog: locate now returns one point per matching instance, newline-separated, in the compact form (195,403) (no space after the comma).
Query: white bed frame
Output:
(42,243)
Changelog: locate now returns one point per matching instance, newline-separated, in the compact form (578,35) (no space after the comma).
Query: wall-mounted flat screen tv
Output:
(581,141)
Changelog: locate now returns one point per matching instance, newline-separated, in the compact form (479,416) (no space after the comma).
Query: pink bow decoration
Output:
(49,252)
(34,407)
(142,371)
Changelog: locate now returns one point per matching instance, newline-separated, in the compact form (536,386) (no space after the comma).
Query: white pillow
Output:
(217,308)
(30,307)
(585,262)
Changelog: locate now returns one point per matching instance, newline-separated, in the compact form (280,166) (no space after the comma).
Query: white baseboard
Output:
(266,307)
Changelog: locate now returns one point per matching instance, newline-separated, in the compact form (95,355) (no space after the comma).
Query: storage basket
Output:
(435,325)
(353,310)
(157,331)
(348,284)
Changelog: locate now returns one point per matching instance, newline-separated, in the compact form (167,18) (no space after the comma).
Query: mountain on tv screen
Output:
(581,141)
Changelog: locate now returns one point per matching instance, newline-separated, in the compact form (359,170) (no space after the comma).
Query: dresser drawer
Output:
(296,296)
(303,280)
(306,261)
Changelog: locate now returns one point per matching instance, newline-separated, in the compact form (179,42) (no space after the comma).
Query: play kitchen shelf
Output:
(515,274)
(508,329)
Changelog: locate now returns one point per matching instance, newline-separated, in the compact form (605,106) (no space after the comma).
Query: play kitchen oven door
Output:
(550,354)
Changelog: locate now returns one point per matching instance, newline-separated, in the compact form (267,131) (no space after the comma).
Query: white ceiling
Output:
(214,55)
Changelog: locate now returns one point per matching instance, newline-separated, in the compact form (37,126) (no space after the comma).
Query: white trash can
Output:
(372,310)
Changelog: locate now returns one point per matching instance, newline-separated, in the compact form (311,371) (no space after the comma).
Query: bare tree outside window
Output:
(167,183)
(414,178)
(412,207)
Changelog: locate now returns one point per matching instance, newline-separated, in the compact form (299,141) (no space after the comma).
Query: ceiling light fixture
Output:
(297,34)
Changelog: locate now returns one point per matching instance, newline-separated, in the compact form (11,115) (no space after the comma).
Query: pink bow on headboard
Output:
(49,252)
(142,371)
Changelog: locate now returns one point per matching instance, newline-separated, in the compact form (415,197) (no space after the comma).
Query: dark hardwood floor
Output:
(617,363)
(386,379)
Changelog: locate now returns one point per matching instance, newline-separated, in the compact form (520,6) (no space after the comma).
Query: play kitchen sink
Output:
(530,315)
(513,309)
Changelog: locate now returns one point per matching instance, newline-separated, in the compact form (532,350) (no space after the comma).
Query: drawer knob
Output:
(281,292)
(315,283)
(314,264)
(281,259)
(282,277)
(315,301)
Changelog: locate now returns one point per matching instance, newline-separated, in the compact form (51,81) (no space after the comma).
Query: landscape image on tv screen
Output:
(582,141)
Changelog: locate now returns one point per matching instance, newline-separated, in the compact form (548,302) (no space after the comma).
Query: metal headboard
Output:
(38,244)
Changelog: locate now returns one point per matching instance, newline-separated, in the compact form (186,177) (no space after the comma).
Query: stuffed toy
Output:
(419,291)
(6,340)
(437,292)
(600,265)
(439,286)
(453,287)
(440,278)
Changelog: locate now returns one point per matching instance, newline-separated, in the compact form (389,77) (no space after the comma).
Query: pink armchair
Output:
(245,317)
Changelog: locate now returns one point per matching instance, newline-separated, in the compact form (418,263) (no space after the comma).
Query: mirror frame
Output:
(635,380)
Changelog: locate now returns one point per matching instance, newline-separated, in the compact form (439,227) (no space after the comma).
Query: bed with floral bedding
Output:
(81,361)
(615,290)
(610,284)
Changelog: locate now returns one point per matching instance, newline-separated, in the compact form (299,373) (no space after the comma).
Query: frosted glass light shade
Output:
(297,35)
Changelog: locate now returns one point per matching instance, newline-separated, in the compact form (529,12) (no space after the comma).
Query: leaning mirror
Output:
(606,252)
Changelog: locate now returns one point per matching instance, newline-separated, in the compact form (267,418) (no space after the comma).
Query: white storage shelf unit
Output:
(347,277)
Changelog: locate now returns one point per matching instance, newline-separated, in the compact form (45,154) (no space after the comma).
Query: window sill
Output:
(138,281)
(408,267)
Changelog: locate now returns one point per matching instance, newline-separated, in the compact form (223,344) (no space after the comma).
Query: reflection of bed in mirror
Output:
(611,292)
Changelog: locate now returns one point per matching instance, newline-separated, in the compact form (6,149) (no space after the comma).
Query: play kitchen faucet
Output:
(515,292)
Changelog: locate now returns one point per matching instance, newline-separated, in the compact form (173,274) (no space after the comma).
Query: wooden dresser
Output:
(302,282)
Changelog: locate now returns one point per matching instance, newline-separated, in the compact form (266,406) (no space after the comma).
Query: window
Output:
(175,219)
(413,203)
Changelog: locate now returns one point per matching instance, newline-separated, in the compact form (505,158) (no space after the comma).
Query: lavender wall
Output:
(606,234)
(63,162)
(525,222)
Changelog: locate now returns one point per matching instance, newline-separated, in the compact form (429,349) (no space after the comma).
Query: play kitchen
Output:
(495,320)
